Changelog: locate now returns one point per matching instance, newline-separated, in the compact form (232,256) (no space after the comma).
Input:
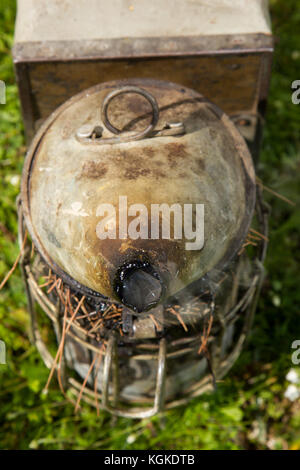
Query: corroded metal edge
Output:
(129,48)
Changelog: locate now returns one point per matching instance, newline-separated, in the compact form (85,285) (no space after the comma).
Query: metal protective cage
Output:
(163,350)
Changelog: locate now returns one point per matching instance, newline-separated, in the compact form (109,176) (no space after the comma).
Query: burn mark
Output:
(119,156)
(134,164)
(149,152)
(133,172)
(175,151)
(158,174)
(93,169)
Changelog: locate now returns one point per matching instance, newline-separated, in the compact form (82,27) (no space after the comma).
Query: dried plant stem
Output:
(97,367)
(179,317)
(84,383)
(269,190)
(32,251)
(205,335)
(55,282)
(155,322)
(15,263)
(63,337)
(45,283)
(61,344)
(259,234)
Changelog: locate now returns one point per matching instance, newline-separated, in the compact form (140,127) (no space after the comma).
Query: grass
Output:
(249,410)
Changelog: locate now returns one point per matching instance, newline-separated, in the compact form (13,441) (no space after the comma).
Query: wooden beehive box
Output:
(221,49)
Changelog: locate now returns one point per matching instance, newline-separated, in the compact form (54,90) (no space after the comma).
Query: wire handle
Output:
(130,89)
(93,133)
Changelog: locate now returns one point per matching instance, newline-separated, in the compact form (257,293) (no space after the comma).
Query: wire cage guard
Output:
(165,351)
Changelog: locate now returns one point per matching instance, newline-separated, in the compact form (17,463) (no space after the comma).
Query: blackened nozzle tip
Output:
(139,286)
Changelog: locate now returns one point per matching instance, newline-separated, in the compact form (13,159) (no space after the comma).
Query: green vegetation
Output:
(249,410)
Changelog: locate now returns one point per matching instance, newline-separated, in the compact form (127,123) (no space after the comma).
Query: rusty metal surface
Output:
(64,182)
(122,48)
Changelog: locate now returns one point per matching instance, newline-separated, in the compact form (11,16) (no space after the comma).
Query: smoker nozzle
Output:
(139,286)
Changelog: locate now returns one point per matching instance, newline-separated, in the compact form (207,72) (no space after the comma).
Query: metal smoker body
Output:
(173,147)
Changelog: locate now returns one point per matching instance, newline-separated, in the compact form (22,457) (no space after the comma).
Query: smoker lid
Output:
(99,19)
(75,164)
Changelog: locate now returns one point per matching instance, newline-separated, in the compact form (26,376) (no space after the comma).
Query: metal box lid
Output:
(140,27)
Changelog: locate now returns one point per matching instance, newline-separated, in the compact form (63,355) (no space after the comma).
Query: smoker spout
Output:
(139,286)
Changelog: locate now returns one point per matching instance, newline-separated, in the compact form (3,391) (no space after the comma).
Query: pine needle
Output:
(15,263)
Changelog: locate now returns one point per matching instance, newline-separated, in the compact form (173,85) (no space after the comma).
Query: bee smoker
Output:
(142,324)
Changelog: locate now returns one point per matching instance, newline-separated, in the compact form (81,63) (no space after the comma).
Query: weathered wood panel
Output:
(232,81)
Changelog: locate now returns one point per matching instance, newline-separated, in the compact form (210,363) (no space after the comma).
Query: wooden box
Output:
(220,48)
